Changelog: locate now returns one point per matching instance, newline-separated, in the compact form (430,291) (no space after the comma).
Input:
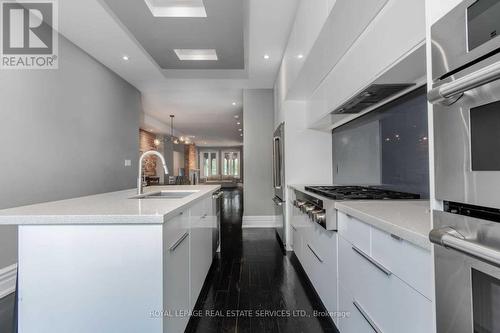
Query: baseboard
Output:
(8,280)
(260,221)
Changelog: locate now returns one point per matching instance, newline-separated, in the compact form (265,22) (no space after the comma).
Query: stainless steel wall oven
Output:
(466,98)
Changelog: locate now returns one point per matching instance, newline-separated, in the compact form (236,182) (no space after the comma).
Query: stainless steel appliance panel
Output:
(465,34)
(467,274)
(279,161)
(465,144)
(466,98)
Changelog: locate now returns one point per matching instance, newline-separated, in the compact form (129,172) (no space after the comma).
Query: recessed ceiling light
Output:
(300,56)
(125,58)
(236,116)
(234,103)
(241,134)
(238,123)
(266,56)
(196,54)
(239,129)
(176,8)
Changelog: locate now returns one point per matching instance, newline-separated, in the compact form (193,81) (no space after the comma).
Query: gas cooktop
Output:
(359,193)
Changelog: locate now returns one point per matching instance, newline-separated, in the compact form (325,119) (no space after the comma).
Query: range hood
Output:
(370,96)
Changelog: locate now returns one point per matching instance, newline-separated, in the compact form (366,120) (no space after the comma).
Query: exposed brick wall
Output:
(189,158)
(146,142)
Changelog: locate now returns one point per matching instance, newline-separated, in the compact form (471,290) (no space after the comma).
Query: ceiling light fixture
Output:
(241,134)
(125,58)
(236,116)
(176,8)
(266,56)
(196,54)
(300,56)
(174,139)
(157,142)
(239,129)
(234,103)
(238,123)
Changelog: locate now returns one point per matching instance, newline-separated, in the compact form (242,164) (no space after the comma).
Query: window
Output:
(231,164)
(209,161)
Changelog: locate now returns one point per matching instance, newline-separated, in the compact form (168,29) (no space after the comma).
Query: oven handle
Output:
(450,92)
(451,238)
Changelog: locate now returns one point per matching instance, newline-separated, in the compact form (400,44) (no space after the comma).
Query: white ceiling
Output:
(201,99)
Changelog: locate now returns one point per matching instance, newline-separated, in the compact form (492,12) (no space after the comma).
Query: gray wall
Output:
(258,119)
(64,133)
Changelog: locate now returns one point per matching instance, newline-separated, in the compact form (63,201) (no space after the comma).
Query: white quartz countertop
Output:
(407,219)
(108,208)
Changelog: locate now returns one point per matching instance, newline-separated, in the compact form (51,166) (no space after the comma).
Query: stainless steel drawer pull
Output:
(366,316)
(451,238)
(178,242)
(453,89)
(315,254)
(372,261)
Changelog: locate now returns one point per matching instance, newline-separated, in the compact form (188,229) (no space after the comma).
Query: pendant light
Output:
(175,140)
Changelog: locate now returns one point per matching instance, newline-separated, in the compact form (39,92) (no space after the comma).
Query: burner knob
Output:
(320,217)
(313,213)
(306,208)
(298,203)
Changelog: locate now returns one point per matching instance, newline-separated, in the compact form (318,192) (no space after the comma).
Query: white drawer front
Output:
(354,322)
(410,263)
(368,284)
(201,208)
(316,249)
(355,231)
(297,242)
(175,228)
(410,311)
(388,302)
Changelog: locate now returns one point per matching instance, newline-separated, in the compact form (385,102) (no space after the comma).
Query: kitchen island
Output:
(113,262)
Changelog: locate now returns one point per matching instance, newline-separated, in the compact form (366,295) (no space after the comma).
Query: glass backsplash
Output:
(387,147)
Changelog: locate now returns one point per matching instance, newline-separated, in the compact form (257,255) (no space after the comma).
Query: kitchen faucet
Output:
(140,182)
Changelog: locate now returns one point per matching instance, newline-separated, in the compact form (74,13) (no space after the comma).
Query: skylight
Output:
(176,8)
(196,54)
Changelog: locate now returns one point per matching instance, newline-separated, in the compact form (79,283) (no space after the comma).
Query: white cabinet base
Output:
(90,278)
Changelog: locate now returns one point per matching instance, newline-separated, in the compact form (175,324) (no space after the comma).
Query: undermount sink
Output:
(165,195)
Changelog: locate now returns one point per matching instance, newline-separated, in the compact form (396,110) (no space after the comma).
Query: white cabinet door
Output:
(353,322)
(201,247)
(297,242)
(382,298)
(176,273)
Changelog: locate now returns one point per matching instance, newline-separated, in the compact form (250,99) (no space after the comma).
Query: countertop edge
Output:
(410,236)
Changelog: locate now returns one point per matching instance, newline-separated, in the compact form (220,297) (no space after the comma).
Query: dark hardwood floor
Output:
(253,276)
(7,314)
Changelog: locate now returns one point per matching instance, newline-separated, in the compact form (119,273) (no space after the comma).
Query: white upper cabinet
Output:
(398,30)
(347,20)
(309,20)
